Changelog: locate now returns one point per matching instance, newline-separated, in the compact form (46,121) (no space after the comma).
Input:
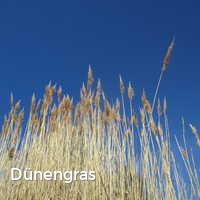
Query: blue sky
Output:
(57,40)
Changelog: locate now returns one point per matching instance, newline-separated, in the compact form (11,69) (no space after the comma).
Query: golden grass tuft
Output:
(132,156)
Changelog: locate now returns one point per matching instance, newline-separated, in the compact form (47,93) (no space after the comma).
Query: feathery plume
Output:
(11,100)
(196,134)
(164,66)
(98,94)
(90,78)
(159,109)
(168,54)
(32,104)
(122,88)
(130,92)
(59,93)
(146,104)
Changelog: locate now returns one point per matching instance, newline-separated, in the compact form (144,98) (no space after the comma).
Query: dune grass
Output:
(129,150)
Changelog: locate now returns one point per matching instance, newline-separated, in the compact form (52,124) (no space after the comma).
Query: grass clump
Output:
(131,154)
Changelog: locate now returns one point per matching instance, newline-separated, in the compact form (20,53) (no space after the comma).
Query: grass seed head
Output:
(168,54)
(130,92)
(194,130)
(146,104)
(165,106)
(108,112)
(17,106)
(134,120)
(153,126)
(98,94)
(159,109)
(11,100)
(142,114)
(160,130)
(32,104)
(122,88)
(59,93)
(196,134)
(49,92)
(90,77)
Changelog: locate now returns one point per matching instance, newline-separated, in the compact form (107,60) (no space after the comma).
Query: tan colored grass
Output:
(131,155)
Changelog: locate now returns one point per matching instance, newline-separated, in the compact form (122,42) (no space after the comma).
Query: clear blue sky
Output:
(57,40)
